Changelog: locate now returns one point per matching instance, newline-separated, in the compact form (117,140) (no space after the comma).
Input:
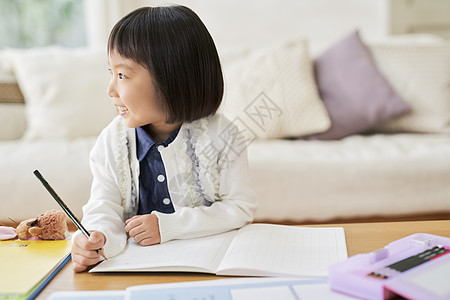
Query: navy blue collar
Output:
(145,142)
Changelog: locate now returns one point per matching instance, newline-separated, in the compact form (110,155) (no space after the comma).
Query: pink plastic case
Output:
(414,267)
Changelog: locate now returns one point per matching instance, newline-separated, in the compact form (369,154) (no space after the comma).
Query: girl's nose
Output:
(111,91)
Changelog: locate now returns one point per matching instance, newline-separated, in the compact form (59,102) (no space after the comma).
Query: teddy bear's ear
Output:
(35,231)
(32,223)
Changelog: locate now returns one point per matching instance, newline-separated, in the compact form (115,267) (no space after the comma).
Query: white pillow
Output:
(64,91)
(272,93)
(6,75)
(420,73)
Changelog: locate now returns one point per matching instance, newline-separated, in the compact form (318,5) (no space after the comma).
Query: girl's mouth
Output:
(122,110)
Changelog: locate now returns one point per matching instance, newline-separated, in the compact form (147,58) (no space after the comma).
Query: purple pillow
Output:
(355,93)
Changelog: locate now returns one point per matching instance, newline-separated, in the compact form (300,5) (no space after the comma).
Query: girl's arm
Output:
(104,211)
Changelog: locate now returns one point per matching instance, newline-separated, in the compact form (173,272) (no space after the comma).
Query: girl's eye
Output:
(121,76)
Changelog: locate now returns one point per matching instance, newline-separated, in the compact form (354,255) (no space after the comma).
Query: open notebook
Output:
(253,250)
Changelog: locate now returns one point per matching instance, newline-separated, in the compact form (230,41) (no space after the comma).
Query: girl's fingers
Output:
(85,253)
(78,268)
(85,260)
(94,242)
(133,224)
(136,231)
(142,236)
(132,218)
(149,241)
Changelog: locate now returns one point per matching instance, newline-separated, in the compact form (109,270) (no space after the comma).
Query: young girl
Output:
(167,167)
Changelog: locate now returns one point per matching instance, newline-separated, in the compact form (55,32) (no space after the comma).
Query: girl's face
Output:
(133,92)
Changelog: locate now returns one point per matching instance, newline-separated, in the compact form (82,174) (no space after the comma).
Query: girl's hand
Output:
(84,250)
(144,229)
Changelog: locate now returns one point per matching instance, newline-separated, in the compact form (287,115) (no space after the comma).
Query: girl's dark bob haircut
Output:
(173,44)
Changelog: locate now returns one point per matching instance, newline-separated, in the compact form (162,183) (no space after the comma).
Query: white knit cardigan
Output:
(206,172)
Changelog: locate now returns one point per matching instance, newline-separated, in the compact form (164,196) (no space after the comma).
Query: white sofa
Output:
(400,168)
(381,174)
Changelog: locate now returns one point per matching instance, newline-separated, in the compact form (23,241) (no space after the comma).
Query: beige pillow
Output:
(420,73)
(64,90)
(271,93)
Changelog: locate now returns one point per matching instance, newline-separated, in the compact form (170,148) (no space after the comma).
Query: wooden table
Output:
(361,238)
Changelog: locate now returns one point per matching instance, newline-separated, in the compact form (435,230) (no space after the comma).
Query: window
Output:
(37,23)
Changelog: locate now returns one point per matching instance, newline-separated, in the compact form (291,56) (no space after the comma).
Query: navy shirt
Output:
(153,186)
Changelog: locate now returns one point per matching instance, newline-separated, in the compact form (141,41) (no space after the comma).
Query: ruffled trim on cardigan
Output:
(197,165)
(122,163)
(126,182)
(206,155)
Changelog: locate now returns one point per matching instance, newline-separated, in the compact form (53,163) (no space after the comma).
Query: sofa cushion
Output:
(64,163)
(420,72)
(6,74)
(64,90)
(271,93)
(356,94)
(360,176)
(13,123)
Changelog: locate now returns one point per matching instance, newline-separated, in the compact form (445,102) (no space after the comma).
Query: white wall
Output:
(252,23)
(420,16)
(101,15)
(255,23)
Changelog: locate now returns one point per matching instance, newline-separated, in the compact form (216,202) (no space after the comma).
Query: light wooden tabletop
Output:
(360,237)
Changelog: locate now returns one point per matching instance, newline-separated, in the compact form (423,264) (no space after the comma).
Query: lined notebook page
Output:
(284,250)
(200,255)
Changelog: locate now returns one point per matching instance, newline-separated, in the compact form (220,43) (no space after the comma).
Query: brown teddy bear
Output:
(51,225)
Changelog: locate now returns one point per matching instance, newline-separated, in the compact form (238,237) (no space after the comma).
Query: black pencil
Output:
(64,207)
